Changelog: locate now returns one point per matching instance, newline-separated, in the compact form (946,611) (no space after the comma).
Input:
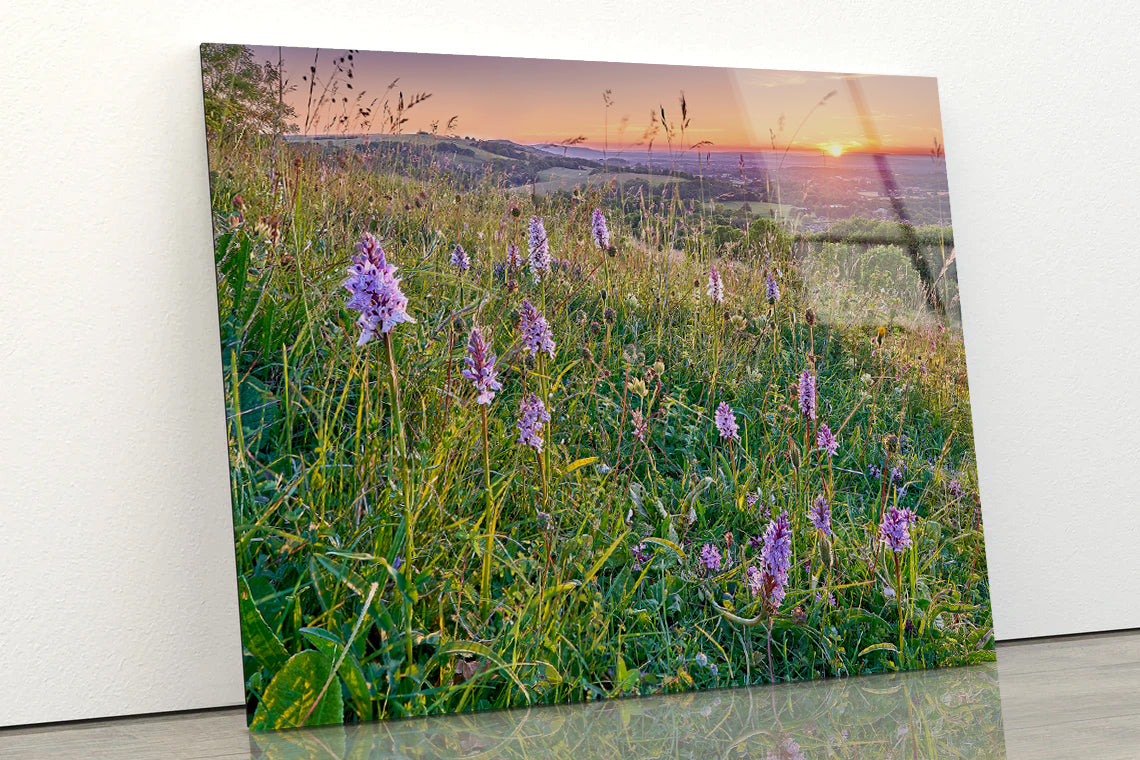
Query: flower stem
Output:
(409,516)
(898,603)
(489,545)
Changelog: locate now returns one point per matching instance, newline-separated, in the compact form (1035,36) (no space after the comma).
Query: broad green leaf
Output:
(291,699)
(349,669)
(261,642)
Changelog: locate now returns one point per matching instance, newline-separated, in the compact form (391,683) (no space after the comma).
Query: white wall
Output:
(117,583)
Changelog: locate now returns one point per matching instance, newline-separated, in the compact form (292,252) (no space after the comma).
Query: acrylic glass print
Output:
(551,381)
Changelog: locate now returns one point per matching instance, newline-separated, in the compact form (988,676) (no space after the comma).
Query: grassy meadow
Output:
(706,463)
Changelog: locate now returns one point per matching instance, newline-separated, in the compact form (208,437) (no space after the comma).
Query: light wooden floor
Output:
(1049,699)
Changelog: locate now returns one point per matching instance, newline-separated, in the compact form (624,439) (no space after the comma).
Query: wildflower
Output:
(752,498)
(820,515)
(771,289)
(894,530)
(897,473)
(514,258)
(714,669)
(532,417)
(716,285)
(710,557)
(601,231)
(640,426)
(375,291)
(776,559)
(755,581)
(640,555)
(830,597)
(875,471)
(807,394)
(955,489)
(726,422)
(827,441)
(459,259)
(701,660)
(536,332)
(480,369)
(539,249)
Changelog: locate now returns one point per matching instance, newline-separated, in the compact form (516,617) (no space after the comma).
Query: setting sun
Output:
(834,149)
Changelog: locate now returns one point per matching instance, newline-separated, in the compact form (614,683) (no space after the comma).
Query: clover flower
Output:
(716,285)
(955,488)
(532,417)
(776,559)
(480,369)
(600,230)
(771,289)
(459,259)
(807,394)
(827,441)
(726,422)
(535,330)
(539,249)
(820,515)
(374,291)
(710,557)
(894,530)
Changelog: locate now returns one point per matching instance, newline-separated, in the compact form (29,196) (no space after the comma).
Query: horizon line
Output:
(925,151)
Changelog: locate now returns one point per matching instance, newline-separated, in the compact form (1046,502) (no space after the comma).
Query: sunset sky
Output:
(533,101)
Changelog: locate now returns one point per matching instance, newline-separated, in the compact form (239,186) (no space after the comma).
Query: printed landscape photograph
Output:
(550,381)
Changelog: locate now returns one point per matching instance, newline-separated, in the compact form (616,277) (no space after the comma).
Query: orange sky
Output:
(539,101)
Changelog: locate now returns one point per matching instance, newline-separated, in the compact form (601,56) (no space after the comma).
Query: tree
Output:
(242,96)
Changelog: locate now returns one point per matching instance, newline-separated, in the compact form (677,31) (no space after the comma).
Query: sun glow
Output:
(833,149)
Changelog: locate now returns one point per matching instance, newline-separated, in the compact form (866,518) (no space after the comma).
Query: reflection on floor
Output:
(1064,698)
(920,714)
(949,713)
